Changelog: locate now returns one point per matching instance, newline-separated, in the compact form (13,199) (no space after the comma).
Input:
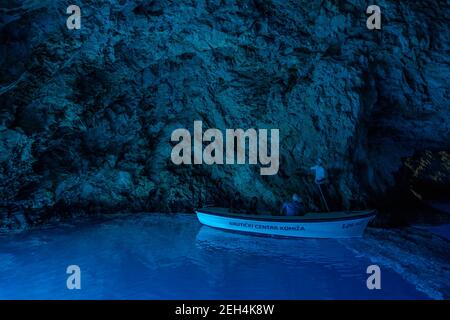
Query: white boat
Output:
(342,224)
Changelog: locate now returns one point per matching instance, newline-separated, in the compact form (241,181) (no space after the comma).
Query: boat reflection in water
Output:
(260,266)
(307,249)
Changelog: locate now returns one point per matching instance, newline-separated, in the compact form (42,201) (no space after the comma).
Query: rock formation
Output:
(86,115)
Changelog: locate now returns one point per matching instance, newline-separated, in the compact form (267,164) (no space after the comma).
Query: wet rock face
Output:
(86,115)
(428,175)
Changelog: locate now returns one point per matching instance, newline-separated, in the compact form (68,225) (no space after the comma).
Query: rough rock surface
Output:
(86,115)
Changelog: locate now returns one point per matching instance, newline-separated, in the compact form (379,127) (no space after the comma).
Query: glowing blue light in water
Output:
(173,257)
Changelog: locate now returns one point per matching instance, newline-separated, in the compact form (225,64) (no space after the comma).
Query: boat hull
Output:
(309,228)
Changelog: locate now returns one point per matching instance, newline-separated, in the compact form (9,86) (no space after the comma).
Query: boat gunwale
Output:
(290,219)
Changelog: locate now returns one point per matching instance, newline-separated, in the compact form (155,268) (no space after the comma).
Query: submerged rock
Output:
(419,256)
(88,113)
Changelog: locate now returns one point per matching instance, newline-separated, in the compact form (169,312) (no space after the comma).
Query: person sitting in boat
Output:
(237,204)
(294,207)
(320,172)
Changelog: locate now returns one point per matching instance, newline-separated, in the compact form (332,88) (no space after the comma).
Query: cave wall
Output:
(86,115)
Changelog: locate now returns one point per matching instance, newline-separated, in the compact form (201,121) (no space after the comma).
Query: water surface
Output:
(152,256)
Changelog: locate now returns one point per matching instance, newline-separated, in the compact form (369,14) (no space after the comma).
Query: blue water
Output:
(173,257)
(442,230)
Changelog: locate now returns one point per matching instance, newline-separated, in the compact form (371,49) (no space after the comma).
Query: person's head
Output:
(237,194)
(319,161)
(296,198)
